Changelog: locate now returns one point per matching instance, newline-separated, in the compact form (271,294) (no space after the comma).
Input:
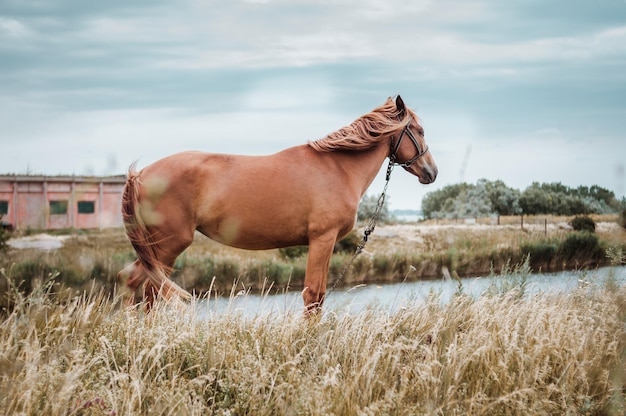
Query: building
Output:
(58,202)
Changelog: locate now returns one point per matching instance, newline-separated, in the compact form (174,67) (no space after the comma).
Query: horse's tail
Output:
(155,280)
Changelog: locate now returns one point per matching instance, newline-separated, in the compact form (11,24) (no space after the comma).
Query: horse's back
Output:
(253,202)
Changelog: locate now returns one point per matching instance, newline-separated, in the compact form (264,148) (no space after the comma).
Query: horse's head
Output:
(409,149)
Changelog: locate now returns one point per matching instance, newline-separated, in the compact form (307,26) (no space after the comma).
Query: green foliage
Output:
(504,200)
(30,274)
(540,254)
(486,197)
(294,252)
(468,200)
(437,203)
(4,237)
(348,244)
(558,199)
(583,223)
(367,208)
(581,247)
(223,267)
(622,218)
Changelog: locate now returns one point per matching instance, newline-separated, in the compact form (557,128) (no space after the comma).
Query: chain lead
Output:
(368,230)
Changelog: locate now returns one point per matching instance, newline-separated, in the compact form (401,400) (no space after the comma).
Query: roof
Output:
(63,178)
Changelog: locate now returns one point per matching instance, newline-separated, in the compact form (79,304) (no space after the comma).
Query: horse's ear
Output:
(400,105)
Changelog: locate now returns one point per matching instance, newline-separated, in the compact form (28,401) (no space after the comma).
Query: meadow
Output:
(501,353)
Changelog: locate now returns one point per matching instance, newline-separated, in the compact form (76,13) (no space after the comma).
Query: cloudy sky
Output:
(522,90)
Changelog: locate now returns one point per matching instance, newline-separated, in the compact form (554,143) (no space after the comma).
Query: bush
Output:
(583,223)
(4,237)
(541,254)
(292,253)
(348,244)
(622,218)
(581,246)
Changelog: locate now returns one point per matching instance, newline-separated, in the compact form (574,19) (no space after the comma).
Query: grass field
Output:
(499,354)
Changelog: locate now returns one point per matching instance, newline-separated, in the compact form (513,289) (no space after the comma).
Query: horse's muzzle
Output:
(428,175)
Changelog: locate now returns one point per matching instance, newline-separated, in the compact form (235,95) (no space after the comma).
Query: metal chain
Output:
(368,230)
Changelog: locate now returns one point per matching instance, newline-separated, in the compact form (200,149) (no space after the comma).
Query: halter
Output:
(393,149)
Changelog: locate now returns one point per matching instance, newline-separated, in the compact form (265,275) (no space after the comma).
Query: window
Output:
(58,207)
(4,207)
(86,207)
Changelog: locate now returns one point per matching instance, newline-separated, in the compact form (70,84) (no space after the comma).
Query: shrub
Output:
(541,254)
(292,253)
(225,268)
(4,236)
(622,218)
(29,274)
(348,244)
(583,223)
(581,246)
(275,272)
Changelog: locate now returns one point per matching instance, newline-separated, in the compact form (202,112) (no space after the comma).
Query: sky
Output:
(521,91)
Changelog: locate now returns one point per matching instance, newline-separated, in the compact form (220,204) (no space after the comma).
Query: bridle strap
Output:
(393,147)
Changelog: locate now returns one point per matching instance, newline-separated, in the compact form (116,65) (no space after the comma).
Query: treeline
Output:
(486,198)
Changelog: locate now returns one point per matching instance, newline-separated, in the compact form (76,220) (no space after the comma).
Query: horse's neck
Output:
(363,166)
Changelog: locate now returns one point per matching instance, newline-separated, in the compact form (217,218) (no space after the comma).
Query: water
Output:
(391,297)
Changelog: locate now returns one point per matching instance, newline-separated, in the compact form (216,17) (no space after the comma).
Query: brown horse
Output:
(303,195)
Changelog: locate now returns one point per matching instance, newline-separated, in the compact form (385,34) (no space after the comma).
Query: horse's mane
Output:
(367,130)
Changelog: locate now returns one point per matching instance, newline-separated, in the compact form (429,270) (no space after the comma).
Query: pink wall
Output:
(28,199)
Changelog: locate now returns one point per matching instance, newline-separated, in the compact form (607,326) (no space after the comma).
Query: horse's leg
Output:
(320,251)
(169,243)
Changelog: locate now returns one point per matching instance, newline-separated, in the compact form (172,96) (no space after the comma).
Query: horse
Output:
(303,195)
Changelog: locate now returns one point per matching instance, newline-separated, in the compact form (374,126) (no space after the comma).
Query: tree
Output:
(436,203)
(534,200)
(486,197)
(558,199)
(367,207)
(476,202)
(504,200)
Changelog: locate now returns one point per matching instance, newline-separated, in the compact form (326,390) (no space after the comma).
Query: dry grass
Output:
(501,353)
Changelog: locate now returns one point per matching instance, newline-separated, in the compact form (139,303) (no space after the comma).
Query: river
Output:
(391,296)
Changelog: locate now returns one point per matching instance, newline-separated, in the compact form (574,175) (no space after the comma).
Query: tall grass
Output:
(500,353)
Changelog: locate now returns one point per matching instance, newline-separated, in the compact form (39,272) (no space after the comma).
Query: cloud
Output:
(148,77)
(12,28)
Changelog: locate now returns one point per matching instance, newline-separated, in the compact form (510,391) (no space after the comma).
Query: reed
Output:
(500,353)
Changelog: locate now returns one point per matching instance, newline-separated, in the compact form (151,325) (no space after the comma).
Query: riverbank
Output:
(81,260)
